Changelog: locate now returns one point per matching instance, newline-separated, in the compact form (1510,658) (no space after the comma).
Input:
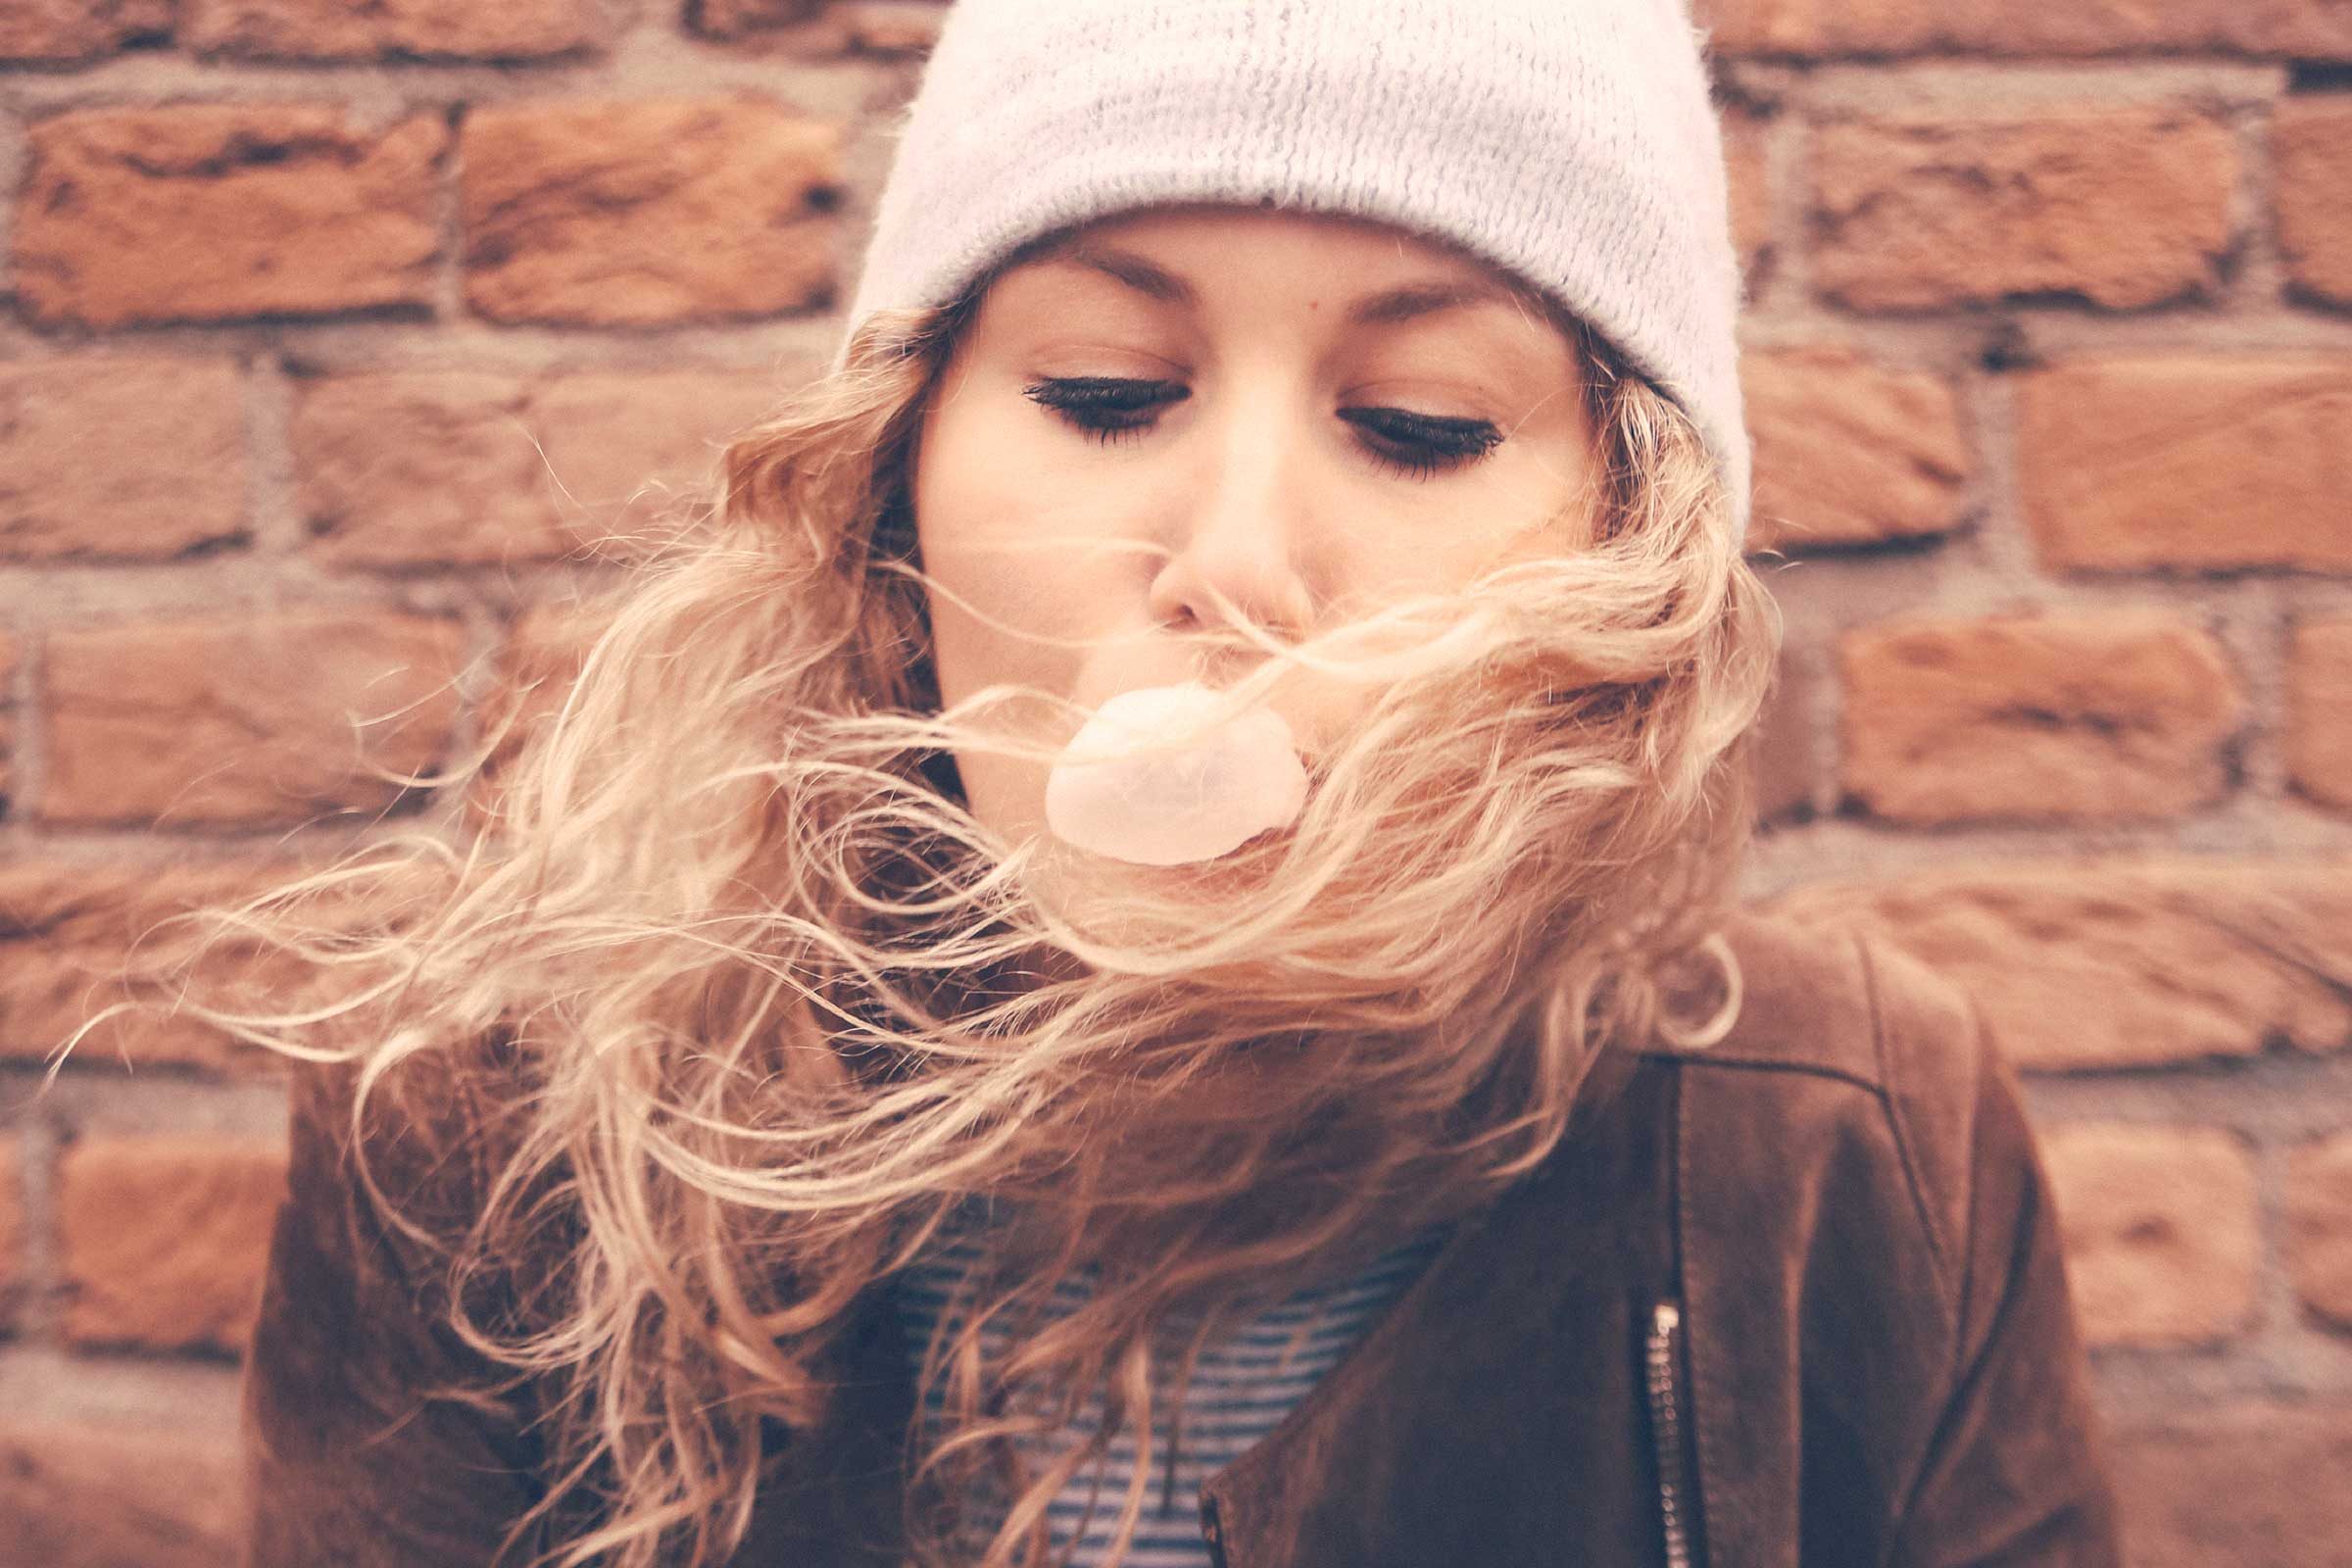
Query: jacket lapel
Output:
(1535,1318)
(1535,1315)
(832,1497)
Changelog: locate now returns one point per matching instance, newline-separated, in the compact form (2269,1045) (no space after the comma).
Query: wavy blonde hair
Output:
(767,1002)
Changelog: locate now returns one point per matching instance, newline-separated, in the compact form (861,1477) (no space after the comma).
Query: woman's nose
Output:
(1240,534)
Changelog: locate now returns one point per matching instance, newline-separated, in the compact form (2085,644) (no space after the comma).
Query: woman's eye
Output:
(1108,407)
(1422,444)
(1117,408)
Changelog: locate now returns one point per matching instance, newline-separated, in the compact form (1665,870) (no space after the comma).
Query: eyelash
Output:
(1113,409)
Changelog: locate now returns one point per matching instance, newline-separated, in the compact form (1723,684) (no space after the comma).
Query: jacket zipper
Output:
(1212,1531)
(1666,1427)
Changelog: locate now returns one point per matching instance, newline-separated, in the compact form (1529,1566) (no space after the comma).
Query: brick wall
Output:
(330,330)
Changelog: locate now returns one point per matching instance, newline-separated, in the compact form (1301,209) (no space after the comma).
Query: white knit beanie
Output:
(1572,142)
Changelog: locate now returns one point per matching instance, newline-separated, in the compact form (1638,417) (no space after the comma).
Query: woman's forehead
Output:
(1368,275)
(1214,234)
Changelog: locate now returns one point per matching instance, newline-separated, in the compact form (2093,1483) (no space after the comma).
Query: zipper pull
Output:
(1212,1531)
(1664,1367)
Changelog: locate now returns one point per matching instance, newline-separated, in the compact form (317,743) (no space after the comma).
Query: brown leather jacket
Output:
(1795,1301)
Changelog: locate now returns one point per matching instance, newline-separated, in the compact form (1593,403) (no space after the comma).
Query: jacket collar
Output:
(1561,1278)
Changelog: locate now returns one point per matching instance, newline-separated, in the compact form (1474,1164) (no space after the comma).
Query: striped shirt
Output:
(1242,1387)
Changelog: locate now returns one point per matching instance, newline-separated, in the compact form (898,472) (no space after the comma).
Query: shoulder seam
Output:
(1937,1247)
(1806,1069)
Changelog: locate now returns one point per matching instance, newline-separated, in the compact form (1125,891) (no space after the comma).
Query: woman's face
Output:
(1307,417)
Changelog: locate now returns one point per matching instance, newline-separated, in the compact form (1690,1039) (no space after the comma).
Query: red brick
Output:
(336,30)
(275,719)
(891,27)
(2318,736)
(69,493)
(2315,194)
(162,1239)
(75,938)
(1746,159)
(2123,963)
(624,444)
(423,467)
(2107,716)
(467,468)
(615,213)
(1850,453)
(2122,207)
(814,30)
(2162,1237)
(2312,30)
(78,29)
(2319,1223)
(78,937)
(734,19)
(12,1229)
(542,655)
(1783,755)
(535,670)
(2247,1483)
(2189,462)
(8,720)
(159,1493)
(211,212)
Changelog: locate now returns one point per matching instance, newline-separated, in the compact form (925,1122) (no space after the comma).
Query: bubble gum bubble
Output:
(1165,807)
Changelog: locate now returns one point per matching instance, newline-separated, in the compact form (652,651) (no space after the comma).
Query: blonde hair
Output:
(767,1002)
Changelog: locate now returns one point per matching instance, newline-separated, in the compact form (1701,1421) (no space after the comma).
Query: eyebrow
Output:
(1385,308)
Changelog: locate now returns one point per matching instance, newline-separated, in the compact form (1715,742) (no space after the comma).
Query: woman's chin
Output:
(1115,900)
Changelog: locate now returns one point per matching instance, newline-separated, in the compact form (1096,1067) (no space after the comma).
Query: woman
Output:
(829,1122)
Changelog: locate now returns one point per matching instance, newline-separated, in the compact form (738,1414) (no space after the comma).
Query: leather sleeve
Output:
(348,1459)
(2016,1471)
